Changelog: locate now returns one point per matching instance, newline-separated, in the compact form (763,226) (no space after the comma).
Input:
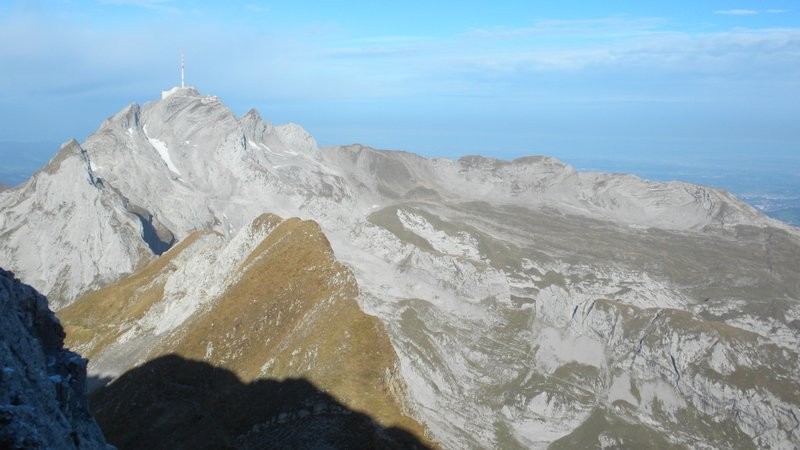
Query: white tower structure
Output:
(165,94)
(182,85)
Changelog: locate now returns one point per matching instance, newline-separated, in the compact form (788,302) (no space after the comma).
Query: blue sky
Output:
(605,79)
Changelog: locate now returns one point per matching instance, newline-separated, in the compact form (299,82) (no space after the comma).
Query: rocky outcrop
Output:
(43,402)
(556,329)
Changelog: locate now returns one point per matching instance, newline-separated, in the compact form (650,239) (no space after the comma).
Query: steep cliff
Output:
(43,402)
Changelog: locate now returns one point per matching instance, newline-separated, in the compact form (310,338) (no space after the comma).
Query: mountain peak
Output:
(69,148)
(252,114)
(72,145)
(128,117)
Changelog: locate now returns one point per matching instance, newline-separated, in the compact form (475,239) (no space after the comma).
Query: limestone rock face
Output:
(43,402)
(82,225)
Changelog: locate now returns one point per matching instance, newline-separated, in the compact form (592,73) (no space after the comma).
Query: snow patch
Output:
(163,151)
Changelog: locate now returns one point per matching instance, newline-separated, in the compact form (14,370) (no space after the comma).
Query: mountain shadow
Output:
(152,237)
(175,403)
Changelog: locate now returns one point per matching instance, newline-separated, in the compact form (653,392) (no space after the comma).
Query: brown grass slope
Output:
(293,313)
(98,318)
(290,314)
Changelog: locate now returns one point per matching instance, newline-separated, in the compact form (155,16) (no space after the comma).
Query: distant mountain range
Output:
(470,303)
(771,186)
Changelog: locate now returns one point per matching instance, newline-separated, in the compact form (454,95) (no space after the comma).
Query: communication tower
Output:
(182,84)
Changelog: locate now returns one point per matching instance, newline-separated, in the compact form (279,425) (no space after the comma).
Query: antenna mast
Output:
(182,70)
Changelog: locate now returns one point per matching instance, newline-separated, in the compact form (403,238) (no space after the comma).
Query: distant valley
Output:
(22,159)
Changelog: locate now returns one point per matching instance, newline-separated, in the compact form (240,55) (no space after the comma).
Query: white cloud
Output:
(736,12)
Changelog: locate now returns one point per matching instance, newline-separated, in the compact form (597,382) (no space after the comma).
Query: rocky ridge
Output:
(270,304)
(62,208)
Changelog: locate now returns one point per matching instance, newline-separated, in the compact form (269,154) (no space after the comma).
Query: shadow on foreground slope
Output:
(174,403)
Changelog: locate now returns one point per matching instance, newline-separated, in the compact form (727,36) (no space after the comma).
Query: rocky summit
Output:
(470,303)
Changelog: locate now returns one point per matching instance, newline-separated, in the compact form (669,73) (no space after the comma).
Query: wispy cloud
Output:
(649,48)
(380,46)
(600,27)
(749,12)
(159,5)
(736,12)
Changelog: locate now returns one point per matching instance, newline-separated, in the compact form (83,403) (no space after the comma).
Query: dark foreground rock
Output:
(176,403)
(43,402)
